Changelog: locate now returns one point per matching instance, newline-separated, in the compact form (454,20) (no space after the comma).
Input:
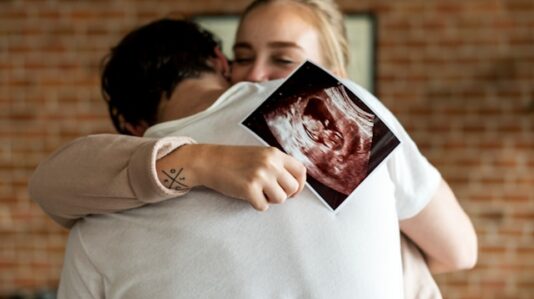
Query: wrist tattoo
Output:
(174,180)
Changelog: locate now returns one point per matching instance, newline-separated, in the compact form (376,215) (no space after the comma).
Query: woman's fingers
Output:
(282,177)
(297,171)
(258,201)
(275,194)
(289,184)
(258,175)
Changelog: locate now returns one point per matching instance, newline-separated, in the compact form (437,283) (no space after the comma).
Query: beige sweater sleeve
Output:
(101,174)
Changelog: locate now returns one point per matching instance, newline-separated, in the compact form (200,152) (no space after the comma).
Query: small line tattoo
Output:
(173,177)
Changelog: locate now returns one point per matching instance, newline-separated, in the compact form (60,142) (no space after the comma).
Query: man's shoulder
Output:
(251,89)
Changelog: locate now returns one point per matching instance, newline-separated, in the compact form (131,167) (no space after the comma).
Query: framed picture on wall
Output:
(361,29)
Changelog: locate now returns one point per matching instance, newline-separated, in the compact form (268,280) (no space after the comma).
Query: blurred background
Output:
(458,74)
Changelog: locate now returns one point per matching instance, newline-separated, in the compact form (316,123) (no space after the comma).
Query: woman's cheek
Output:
(238,74)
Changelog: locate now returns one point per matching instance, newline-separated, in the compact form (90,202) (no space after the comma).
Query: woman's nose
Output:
(257,73)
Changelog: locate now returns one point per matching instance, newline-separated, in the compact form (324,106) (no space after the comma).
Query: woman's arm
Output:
(108,173)
(101,174)
(444,233)
(430,213)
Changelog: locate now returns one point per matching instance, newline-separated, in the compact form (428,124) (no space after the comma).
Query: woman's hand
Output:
(258,175)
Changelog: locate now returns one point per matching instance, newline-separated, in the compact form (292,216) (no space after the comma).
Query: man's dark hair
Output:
(148,64)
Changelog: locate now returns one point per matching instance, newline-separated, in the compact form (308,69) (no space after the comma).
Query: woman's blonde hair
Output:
(329,23)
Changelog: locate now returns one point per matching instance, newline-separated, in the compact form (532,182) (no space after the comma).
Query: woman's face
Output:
(272,41)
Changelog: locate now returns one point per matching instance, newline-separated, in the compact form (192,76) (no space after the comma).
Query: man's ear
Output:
(221,64)
(136,130)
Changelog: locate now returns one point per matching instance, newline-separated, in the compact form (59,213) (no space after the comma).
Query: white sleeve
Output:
(79,277)
(415,179)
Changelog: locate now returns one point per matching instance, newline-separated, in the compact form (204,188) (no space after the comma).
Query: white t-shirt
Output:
(207,245)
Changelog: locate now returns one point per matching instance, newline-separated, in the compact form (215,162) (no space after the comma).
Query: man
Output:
(209,245)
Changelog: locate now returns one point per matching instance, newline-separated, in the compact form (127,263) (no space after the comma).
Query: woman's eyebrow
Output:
(282,44)
(275,44)
(242,45)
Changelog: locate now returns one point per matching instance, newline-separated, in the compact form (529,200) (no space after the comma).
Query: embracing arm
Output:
(444,233)
(428,209)
(101,174)
(109,173)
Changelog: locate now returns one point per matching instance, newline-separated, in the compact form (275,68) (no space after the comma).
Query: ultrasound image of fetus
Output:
(328,133)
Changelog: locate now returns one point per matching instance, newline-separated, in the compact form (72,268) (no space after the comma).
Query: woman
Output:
(274,37)
(264,55)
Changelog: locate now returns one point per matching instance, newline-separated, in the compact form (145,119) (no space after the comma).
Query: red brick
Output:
(449,7)
(52,14)
(482,197)
(13,13)
(474,128)
(519,6)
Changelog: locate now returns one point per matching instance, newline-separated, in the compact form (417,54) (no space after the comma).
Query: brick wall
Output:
(459,75)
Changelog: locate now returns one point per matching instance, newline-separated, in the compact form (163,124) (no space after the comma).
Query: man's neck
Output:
(192,96)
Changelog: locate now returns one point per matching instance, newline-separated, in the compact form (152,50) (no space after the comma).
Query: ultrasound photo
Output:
(316,119)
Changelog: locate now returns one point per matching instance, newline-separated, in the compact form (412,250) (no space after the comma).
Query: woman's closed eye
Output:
(283,61)
(286,57)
